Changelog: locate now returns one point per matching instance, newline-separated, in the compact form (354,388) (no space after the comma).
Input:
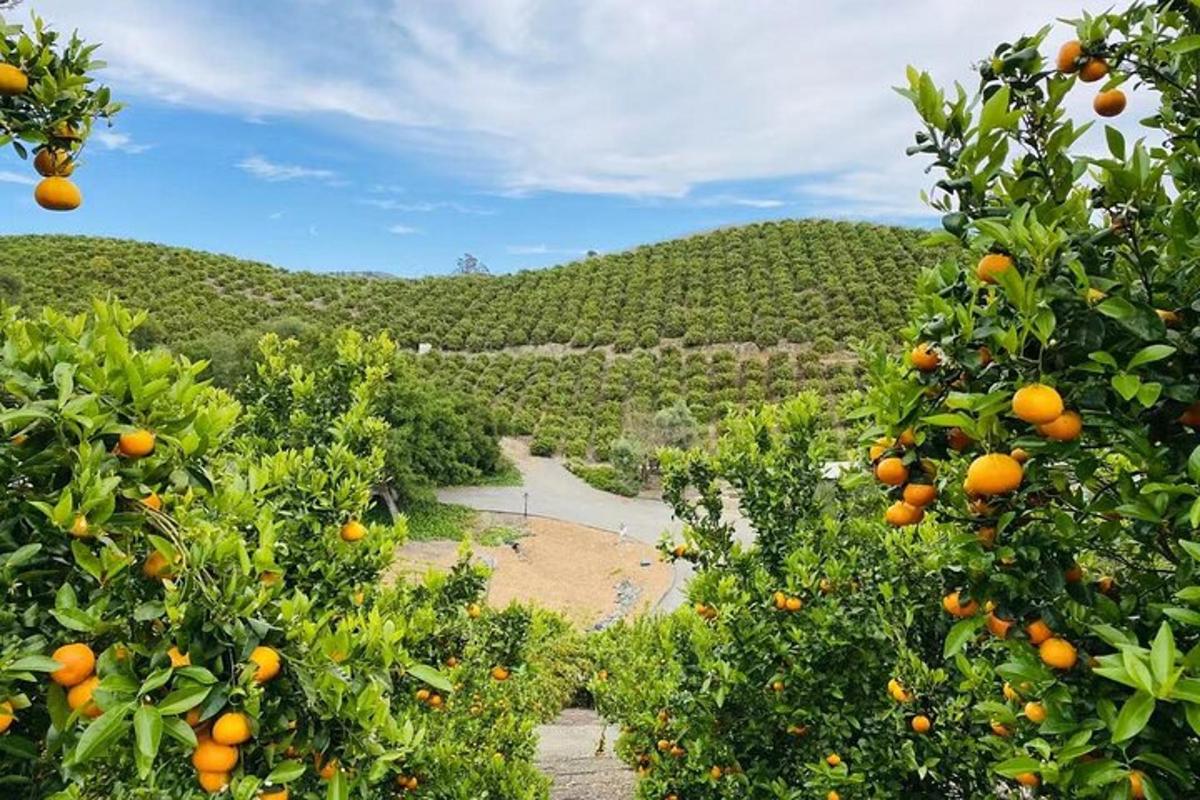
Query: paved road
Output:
(568,751)
(554,492)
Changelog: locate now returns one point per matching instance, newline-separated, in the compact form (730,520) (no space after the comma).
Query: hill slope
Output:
(794,280)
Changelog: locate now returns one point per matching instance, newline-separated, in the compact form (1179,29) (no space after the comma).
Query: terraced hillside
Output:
(724,318)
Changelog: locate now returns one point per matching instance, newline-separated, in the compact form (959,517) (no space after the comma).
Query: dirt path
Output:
(567,752)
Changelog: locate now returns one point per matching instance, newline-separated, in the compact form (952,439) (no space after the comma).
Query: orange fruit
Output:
(422,695)
(991,265)
(210,756)
(50,162)
(1105,584)
(266,661)
(1019,455)
(1035,713)
(499,673)
(153,502)
(232,727)
(994,473)
(436,701)
(780,600)
(274,794)
(900,514)
(1038,631)
(953,605)
(1169,318)
(1074,573)
(1110,103)
(998,626)
(136,444)
(891,471)
(958,439)
(353,530)
(793,604)
(12,81)
(1064,429)
(156,566)
(920,494)
(1058,653)
(925,358)
(79,698)
(1001,730)
(921,724)
(1029,779)
(1037,403)
(898,692)
(908,438)
(1069,55)
(715,773)
(833,759)
(329,770)
(192,718)
(833,795)
(78,661)
(179,659)
(213,782)
(1010,693)
(1136,789)
(1093,70)
(1191,415)
(6,716)
(880,447)
(79,527)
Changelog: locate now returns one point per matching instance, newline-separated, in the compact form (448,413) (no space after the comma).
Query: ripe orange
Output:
(715,773)
(213,782)
(232,727)
(1029,779)
(422,695)
(50,162)
(1110,103)
(833,759)
(499,673)
(209,756)
(898,692)
(12,81)
(1136,789)
(998,626)
(329,770)
(953,605)
(920,494)
(900,514)
(266,661)
(833,795)
(353,531)
(793,604)
(1035,713)
(1038,631)
(908,438)
(79,698)
(79,527)
(994,473)
(156,566)
(891,471)
(6,716)
(179,659)
(1064,429)
(880,447)
(153,502)
(921,724)
(436,701)
(1191,415)
(192,718)
(1010,694)
(991,265)
(1093,70)
(1001,730)
(1058,653)
(780,601)
(1019,455)
(78,661)
(1105,584)
(136,444)
(925,358)
(1069,55)
(1037,403)
(1074,573)
(958,439)
(274,794)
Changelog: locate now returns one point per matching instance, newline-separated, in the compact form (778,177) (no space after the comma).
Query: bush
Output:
(605,477)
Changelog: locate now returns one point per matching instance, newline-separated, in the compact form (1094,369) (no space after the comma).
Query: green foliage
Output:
(606,478)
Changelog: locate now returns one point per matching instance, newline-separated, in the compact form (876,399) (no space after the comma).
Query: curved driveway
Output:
(550,490)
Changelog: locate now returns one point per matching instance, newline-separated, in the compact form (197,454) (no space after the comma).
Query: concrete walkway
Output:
(569,752)
(551,490)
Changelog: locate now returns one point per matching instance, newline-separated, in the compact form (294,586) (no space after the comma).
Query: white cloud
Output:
(123,142)
(541,250)
(7,176)
(276,215)
(270,171)
(423,207)
(734,200)
(609,96)
(403,230)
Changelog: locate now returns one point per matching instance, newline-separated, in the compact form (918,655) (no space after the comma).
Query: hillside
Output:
(792,281)
(568,354)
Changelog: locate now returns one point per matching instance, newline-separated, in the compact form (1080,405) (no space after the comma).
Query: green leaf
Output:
(181,700)
(1133,717)
(1193,716)
(1162,654)
(431,676)
(1194,464)
(103,730)
(1116,142)
(1012,767)
(1149,354)
(180,731)
(339,788)
(147,731)
(959,635)
(1184,45)
(285,772)
(1126,385)
(34,664)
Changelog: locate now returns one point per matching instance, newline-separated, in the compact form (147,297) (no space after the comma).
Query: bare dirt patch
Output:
(584,573)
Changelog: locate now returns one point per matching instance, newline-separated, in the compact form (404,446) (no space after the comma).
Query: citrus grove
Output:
(1018,615)
(48,106)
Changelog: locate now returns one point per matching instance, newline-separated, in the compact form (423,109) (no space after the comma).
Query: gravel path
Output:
(554,492)
(568,753)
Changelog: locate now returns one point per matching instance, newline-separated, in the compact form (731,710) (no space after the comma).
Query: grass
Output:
(432,520)
(506,474)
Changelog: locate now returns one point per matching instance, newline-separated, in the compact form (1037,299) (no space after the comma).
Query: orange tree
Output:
(48,104)
(808,664)
(175,617)
(1053,388)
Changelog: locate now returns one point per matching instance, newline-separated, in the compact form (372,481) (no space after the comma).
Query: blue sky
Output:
(394,135)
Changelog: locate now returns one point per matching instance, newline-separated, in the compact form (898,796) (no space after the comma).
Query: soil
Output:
(583,572)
